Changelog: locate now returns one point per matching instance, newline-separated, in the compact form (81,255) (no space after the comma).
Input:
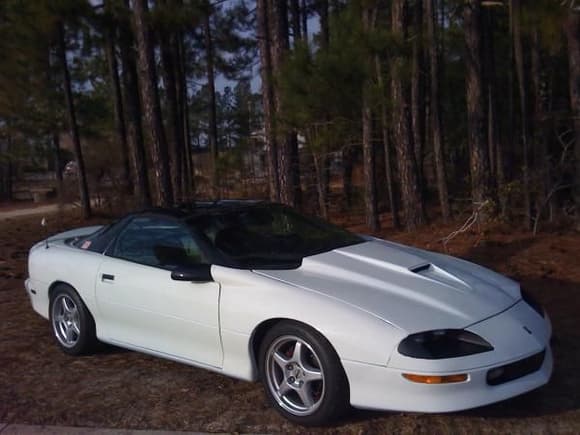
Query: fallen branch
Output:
(470,222)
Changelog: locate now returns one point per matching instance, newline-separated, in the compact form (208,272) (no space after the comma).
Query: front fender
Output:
(248,299)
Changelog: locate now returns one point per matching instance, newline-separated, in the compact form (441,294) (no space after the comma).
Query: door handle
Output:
(107,277)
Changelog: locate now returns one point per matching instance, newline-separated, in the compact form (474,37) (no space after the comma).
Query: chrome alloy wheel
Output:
(294,375)
(65,320)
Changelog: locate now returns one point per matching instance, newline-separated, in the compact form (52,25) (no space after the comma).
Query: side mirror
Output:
(193,273)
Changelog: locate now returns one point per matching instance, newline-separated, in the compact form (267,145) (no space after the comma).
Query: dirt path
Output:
(41,209)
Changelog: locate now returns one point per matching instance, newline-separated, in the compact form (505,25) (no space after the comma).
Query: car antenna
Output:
(43,225)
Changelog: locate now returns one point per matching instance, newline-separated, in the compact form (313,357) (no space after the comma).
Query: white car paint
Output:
(363,298)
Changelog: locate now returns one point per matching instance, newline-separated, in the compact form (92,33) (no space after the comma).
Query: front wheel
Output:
(73,326)
(302,375)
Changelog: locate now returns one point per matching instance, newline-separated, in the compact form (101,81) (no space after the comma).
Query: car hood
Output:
(412,289)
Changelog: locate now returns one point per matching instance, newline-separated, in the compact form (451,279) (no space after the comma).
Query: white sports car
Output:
(323,317)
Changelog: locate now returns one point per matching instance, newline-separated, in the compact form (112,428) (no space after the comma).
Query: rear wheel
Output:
(73,326)
(302,375)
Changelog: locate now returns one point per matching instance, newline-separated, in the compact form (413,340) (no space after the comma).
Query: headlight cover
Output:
(443,343)
(532,302)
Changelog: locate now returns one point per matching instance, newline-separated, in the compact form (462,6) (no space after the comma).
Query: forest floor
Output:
(115,388)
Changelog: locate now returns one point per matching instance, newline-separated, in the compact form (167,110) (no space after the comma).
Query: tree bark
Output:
(370,188)
(288,170)
(318,162)
(393,203)
(572,27)
(322,10)
(305,20)
(110,37)
(418,90)
(436,121)
(188,187)
(212,115)
(520,73)
(541,163)
(264,43)
(6,169)
(296,24)
(151,104)
(403,136)
(322,7)
(478,155)
(168,60)
(347,167)
(134,117)
(371,208)
(494,143)
(57,164)
(73,126)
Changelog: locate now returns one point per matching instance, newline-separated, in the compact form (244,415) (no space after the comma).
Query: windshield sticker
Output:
(86,244)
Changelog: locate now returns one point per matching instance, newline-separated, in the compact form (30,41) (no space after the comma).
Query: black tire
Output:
(78,320)
(329,396)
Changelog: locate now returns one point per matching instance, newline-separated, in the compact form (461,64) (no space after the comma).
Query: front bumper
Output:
(385,388)
(38,294)
(382,388)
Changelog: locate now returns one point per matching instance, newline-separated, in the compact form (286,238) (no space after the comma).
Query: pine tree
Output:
(151,104)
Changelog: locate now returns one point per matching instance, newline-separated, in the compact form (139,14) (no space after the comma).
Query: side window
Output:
(157,242)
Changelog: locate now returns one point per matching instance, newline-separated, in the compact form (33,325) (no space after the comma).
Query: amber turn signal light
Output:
(422,379)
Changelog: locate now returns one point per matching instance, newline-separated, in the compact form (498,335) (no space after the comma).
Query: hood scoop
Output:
(421,268)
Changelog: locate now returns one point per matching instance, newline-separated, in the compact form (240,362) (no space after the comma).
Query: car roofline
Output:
(184,211)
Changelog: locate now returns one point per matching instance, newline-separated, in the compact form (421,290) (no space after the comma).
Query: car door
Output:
(140,305)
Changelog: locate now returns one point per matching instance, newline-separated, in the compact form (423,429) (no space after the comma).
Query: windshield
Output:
(270,236)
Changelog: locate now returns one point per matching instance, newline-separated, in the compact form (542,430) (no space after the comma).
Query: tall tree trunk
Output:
(73,126)
(212,115)
(110,37)
(541,163)
(168,59)
(266,74)
(418,90)
(187,172)
(393,204)
(305,20)
(572,27)
(403,137)
(322,8)
(520,72)
(288,169)
(481,189)
(436,119)
(55,133)
(134,117)
(347,167)
(57,164)
(370,188)
(151,104)
(371,208)
(296,24)
(6,168)
(494,144)
(318,163)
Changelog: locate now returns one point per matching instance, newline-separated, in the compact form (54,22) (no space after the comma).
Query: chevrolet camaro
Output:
(324,318)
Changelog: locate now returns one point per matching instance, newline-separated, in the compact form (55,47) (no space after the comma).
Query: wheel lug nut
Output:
(290,367)
(291,380)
